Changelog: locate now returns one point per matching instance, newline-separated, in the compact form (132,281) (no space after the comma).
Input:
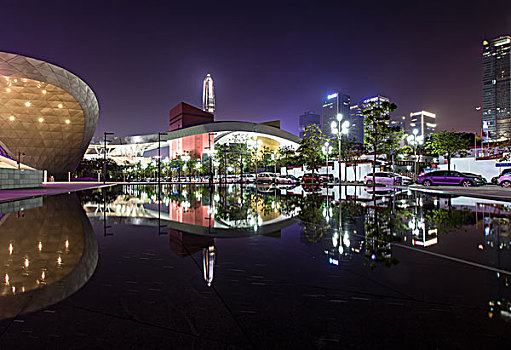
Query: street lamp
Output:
(327,149)
(339,129)
(415,141)
(186,158)
(104,159)
(255,145)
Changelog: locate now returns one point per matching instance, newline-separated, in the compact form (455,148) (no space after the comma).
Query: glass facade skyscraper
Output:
(306,119)
(334,104)
(496,88)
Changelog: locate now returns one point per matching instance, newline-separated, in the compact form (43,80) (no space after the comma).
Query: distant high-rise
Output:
(208,95)
(376,100)
(423,121)
(497,88)
(306,119)
(334,104)
(357,124)
(399,122)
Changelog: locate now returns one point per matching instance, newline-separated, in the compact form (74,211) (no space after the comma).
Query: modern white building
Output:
(423,121)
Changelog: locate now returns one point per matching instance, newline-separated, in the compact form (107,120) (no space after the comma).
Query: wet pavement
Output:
(255,268)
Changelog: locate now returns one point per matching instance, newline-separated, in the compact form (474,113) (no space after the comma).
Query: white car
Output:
(268,178)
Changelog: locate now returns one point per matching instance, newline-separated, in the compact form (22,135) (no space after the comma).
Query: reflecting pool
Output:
(255,267)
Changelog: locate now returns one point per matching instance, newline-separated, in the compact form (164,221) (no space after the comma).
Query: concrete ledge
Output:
(20,178)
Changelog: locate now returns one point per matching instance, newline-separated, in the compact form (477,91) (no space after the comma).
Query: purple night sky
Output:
(269,59)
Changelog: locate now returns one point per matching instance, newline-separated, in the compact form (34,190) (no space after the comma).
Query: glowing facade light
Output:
(26,263)
(68,121)
(40,120)
(60,105)
(8,90)
(6,279)
(208,94)
(44,92)
(40,246)
(11,248)
(331,96)
(27,104)
(339,117)
(11,118)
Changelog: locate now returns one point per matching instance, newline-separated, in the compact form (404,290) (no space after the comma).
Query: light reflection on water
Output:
(346,223)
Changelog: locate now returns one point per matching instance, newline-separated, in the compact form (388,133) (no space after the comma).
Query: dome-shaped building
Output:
(47,114)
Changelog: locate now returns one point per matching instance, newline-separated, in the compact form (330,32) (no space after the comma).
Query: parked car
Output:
(406,180)
(292,179)
(326,179)
(495,179)
(283,180)
(310,179)
(268,178)
(476,175)
(449,177)
(505,178)
(384,178)
(249,178)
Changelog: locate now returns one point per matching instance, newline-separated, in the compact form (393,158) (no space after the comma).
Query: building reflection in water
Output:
(346,221)
(49,252)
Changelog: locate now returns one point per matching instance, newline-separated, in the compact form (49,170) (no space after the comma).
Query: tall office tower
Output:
(306,119)
(376,100)
(423,121)
(208,94)
(357,124)
(334,104)
(400,122)
(497,88)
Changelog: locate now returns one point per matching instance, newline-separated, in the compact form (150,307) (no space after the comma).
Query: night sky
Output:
(269,59)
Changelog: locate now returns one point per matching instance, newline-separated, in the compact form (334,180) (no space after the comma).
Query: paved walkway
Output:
(486,192)
(48,190)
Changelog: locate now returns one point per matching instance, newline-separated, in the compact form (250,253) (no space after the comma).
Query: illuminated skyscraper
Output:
(208,95)
(423,121)
(497,88)
(334,104)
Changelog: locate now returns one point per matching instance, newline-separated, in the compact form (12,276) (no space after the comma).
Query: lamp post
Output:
(327,149)
(415,141)
(186,158)
(255,145)
(104,159)
(339,129)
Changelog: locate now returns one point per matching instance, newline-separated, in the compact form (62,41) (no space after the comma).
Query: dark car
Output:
(310,179)
(326,179)
(476,175)
(449,177)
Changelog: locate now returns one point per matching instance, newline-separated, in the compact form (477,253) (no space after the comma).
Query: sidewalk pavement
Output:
(491,192)
(49,189)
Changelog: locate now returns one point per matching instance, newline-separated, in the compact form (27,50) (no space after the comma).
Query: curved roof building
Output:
(47,114)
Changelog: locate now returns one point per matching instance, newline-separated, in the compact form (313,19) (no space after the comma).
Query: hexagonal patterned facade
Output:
(47,114)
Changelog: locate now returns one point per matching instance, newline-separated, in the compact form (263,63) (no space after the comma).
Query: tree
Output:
(448,142)
(379,137)
(310,147)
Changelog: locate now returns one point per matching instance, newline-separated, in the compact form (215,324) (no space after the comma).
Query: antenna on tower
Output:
(208,94)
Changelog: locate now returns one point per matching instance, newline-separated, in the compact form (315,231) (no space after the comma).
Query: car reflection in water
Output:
(346,222)
(48,252)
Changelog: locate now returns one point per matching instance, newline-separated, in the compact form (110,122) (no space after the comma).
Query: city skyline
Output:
(267,64)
